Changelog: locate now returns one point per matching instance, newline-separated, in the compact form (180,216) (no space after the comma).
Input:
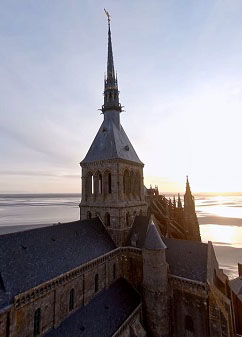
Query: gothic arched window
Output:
(137,188)
(100,184)
(71,300)
(126,183)
(132,183)
(109,183)
(89,184)
(37,314)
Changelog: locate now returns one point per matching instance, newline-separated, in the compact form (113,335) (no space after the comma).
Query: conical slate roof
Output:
(111,142)
(153,240)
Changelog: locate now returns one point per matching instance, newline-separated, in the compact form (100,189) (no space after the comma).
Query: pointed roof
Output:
(188,189)
(111,142)
(153,240)
(110,63)
(179,204)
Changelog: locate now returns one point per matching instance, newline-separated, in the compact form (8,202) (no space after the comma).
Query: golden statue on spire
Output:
(108,15)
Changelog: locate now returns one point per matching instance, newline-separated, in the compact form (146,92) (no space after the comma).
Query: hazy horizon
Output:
(163,193)
(220,219)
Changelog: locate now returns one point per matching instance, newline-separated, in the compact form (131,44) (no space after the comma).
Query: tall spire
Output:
(111,93)
(110,65)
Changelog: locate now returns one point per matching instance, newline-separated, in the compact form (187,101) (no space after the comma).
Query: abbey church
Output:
(133,265)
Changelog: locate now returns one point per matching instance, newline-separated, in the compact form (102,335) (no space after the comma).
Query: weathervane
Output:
(108,15)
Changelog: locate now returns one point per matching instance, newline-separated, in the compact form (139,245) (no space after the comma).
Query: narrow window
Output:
(89,184)
(100,184)
(114,271)
(124,185)
(92,185)
(96,283)
(109,183)
(107,219)
(89,215)
(37,322)
(8,325)
(127,219)
(141,212)
(71,300)
(189,325)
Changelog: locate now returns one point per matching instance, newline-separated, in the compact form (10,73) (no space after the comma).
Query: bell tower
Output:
(112,173)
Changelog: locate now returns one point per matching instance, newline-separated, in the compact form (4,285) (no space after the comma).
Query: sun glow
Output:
(222,235)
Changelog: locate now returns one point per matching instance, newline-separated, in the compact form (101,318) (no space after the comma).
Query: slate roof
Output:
(32,257)
(186,258)
(111,142)
(111,306)
(236,285)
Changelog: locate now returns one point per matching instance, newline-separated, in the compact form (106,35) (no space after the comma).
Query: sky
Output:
(179,67)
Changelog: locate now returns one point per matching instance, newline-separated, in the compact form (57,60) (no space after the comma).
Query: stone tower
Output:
(112,173)
(155,284)
(190,217)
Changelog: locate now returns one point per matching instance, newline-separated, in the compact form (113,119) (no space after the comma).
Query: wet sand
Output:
(219,220)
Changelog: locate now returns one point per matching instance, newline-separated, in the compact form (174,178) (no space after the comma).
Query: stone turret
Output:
(155,284)
(190,217)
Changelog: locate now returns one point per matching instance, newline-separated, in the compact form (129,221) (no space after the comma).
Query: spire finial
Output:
(108,16)
(111,93)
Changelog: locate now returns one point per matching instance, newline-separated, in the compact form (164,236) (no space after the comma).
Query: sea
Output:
(219,216)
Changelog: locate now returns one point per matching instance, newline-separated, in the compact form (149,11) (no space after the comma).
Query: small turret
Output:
(155,283)
(153,240)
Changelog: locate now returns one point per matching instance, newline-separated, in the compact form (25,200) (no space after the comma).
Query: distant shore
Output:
(13,229)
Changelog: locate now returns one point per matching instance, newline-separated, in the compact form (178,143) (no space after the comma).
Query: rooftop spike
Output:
(111,93)
(179,201)
(188,189)
(110,64)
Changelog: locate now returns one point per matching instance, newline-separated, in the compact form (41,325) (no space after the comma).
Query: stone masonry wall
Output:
(120,201)
(189,305)
(52,297)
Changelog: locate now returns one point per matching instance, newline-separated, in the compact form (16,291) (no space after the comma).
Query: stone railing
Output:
(46,287)
(185,280)
(128,321)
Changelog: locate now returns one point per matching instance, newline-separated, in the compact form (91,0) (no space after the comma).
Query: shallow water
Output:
(220,219)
